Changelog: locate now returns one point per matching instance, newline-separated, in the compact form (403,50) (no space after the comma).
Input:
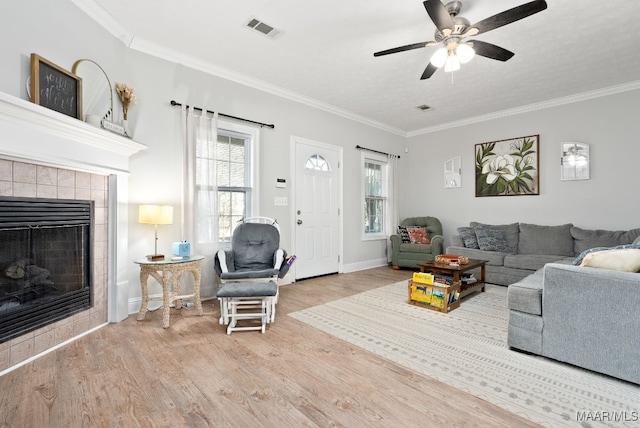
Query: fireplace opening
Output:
(45,262)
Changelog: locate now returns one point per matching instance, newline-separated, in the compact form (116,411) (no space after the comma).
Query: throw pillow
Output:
(578,260)
(418,235)
(512,232)
(468,235)
(404,234)
(491,239)
(625,260)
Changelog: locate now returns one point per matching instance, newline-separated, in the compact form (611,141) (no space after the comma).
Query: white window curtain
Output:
(199,193)
(392,201)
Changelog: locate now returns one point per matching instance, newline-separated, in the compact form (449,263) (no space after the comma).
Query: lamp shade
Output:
(439,57)
(465,53)
(155,214)
(452,63)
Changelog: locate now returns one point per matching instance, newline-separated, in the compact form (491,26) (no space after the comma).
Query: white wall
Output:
(61,33)
(607,201)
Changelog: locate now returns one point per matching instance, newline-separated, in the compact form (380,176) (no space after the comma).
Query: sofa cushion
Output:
(584,239)
(529,261)
(526,294)
(536,239)
(469,238)
(492,239)
(623,260)
(511,230)
(404,234)
(416,248)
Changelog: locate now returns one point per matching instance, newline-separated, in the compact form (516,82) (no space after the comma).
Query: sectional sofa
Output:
(573,293)
(516,250)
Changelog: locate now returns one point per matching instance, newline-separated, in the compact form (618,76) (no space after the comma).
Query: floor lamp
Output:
(155,214)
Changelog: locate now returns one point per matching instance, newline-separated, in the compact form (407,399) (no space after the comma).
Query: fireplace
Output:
(45,154)
(45,262)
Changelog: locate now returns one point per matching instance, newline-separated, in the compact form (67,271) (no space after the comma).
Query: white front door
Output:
(316,208)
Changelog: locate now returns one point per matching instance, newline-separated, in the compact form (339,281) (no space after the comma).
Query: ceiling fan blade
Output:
(489,50)
(404,48)
(428,72)
(509,16)
(439,15)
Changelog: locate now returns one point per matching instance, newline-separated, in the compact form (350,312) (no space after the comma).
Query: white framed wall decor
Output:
(453,173)
(574,161)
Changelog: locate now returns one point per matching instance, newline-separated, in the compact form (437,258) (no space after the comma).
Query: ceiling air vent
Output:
(262,28)
(424,107)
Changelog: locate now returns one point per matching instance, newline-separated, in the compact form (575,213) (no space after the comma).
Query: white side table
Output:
(167,273)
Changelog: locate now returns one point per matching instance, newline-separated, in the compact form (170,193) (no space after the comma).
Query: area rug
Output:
(467,349)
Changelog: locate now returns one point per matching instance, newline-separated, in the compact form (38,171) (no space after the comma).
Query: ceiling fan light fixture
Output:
(452,63)
(439,57)
(465,53)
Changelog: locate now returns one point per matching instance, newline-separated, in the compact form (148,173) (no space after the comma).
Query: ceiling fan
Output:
(452,31)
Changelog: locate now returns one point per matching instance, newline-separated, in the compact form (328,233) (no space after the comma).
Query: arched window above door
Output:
(317,163)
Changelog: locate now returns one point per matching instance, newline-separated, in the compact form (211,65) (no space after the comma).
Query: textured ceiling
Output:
(324,53)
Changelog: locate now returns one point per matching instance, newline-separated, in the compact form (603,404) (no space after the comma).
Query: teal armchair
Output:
(409,255)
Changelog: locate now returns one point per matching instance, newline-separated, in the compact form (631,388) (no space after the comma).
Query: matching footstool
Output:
(247,301)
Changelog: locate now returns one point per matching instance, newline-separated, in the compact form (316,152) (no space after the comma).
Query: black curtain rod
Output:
(376,151)
(262,125)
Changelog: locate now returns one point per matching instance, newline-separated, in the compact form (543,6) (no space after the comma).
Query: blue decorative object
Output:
(181,248)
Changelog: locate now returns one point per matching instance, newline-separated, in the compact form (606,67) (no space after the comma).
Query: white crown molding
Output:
(105,20)
(196,64)
(632,86)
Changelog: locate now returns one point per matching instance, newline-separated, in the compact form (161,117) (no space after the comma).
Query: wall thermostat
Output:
(281,183)
(182,248)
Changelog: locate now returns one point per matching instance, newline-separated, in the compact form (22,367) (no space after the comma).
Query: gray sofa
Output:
(584,316)
(528,247)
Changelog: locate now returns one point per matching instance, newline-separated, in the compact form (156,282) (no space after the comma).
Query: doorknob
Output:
(299,221)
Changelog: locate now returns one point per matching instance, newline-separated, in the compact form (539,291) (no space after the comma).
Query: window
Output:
(317,163)
(234,180)
(375,197)
(224,177)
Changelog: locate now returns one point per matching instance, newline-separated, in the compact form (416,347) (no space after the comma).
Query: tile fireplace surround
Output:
(49,155)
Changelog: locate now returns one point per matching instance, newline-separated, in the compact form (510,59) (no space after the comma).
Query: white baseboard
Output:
(354,267)
(136,302)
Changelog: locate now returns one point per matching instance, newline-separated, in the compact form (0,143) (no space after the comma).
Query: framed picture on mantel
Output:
(55,88)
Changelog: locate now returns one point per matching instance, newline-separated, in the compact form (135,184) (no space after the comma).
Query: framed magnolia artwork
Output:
(508,167)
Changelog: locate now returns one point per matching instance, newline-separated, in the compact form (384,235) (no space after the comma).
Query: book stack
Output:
(468,278)
(443,280)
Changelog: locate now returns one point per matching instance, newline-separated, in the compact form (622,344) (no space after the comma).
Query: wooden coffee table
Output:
(455,271)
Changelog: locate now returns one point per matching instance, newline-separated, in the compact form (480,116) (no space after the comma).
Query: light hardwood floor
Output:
(137,374)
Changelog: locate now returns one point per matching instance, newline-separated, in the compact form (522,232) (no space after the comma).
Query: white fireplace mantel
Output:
(34,134)
(37,134)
